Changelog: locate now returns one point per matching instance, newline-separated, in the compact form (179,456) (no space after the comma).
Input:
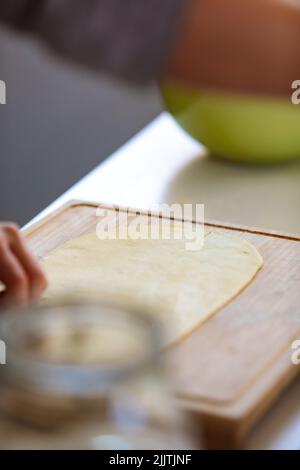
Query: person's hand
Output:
(21,276)
(250,46)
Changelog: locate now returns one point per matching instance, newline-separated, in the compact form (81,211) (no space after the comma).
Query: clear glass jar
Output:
(86,376)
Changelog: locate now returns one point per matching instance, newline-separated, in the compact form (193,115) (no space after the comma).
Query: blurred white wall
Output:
(59,122)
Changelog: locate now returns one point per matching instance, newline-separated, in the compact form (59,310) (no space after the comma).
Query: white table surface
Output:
(162,164)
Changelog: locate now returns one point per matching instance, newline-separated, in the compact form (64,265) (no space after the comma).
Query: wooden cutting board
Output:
(233,367)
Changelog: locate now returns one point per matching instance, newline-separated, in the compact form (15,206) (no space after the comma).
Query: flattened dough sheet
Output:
(185,287)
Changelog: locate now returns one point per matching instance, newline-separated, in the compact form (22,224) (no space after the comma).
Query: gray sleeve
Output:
(129,39)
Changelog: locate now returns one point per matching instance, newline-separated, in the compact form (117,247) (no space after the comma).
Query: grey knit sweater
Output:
(128,39)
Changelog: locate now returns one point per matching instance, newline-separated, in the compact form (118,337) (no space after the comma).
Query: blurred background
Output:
(59,122)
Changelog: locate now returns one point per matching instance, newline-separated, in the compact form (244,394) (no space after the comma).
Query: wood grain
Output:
(231,369)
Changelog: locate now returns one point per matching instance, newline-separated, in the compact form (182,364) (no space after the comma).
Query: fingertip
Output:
(39,285)
(12,228)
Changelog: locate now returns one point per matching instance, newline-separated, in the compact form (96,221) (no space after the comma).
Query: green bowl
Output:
(236,127)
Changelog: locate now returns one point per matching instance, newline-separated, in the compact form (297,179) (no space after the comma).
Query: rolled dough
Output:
(182,288)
